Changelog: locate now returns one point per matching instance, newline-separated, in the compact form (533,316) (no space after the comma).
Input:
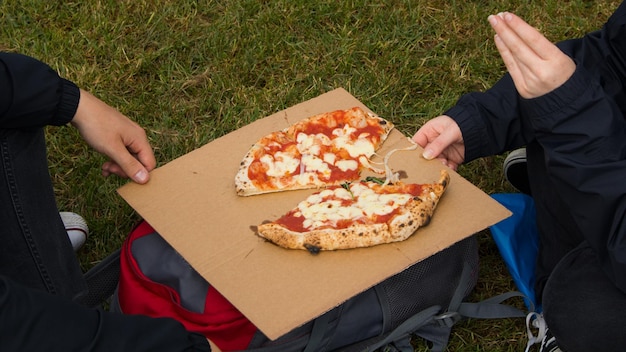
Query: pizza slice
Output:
(319,151)
(357,214)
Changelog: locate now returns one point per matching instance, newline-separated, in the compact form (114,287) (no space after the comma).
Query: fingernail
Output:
(141,176)
(428,154)
(507,17)
(492,19)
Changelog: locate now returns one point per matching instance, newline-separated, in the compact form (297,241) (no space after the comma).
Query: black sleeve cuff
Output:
(472,131)
(68,103)
(561,98)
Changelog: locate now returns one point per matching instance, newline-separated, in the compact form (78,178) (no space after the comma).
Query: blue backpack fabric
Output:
(517,239)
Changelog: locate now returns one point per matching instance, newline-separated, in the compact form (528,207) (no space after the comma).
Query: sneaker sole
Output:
(516,171)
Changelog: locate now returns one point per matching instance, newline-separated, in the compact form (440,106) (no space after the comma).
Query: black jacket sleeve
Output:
(581,127)
(490,121)
(32,320)
(33,95)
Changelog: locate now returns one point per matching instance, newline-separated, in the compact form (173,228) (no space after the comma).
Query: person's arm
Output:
(489,121)
(32,94)
(580,127)
(32,320)
(109,132)
(585,150)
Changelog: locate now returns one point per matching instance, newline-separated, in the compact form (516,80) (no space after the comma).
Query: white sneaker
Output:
(544,337)
(76,228)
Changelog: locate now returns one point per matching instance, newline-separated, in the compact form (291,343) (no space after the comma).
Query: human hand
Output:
(536,65)
(109,132)
(441,138)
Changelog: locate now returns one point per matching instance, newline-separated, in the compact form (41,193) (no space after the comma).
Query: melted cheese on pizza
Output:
(320,151)
(339,207)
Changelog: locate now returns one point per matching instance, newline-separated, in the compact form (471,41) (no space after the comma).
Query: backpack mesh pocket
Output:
(430,282)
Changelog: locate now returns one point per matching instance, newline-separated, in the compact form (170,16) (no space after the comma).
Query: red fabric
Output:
(221,322)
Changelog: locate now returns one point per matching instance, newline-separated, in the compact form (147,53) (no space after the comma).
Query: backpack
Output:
(517,239)
(426,299)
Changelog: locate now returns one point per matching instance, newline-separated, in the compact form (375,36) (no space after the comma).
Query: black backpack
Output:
(421,300)
(426,300)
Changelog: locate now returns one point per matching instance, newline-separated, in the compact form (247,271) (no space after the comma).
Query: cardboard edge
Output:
(338,94)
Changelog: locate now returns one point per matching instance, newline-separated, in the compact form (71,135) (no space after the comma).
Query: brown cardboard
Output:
(192,203)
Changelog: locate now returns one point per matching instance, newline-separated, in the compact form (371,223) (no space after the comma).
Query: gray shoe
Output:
(516,170)
(76,228)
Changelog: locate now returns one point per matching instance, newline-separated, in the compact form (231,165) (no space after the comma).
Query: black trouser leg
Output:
(34,248)
(584,310)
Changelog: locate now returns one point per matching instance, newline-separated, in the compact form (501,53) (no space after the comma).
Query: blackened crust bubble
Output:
(254,228)
(312,248)
(426,220)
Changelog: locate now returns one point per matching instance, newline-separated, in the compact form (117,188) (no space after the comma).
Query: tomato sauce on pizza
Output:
(322,150)
(339,207)
(359,214)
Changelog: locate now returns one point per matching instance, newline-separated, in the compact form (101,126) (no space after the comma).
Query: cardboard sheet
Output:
(191,202)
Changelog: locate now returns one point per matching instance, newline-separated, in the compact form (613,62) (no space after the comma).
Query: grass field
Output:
(192,71)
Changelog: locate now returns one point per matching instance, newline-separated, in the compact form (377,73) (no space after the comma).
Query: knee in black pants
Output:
(584,310)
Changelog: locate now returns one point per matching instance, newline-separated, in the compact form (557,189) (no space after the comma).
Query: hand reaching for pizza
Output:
(441,138)
(536,65)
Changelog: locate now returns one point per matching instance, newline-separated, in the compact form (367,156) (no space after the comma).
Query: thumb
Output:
(439,144)
(127,165)
(140,176)
(139,173)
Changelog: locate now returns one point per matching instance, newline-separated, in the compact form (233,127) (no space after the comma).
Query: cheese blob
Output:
(333,205)
(280,165)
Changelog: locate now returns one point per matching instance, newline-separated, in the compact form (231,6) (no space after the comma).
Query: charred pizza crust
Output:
(416,213)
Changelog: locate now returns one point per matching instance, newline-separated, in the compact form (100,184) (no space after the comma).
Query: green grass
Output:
(192,71)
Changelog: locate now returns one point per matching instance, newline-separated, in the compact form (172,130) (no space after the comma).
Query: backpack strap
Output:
(316,340)
(403,330)
(493,308)
(430,323)
(320,329)
(435,325)
(490,308)
(439,334)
